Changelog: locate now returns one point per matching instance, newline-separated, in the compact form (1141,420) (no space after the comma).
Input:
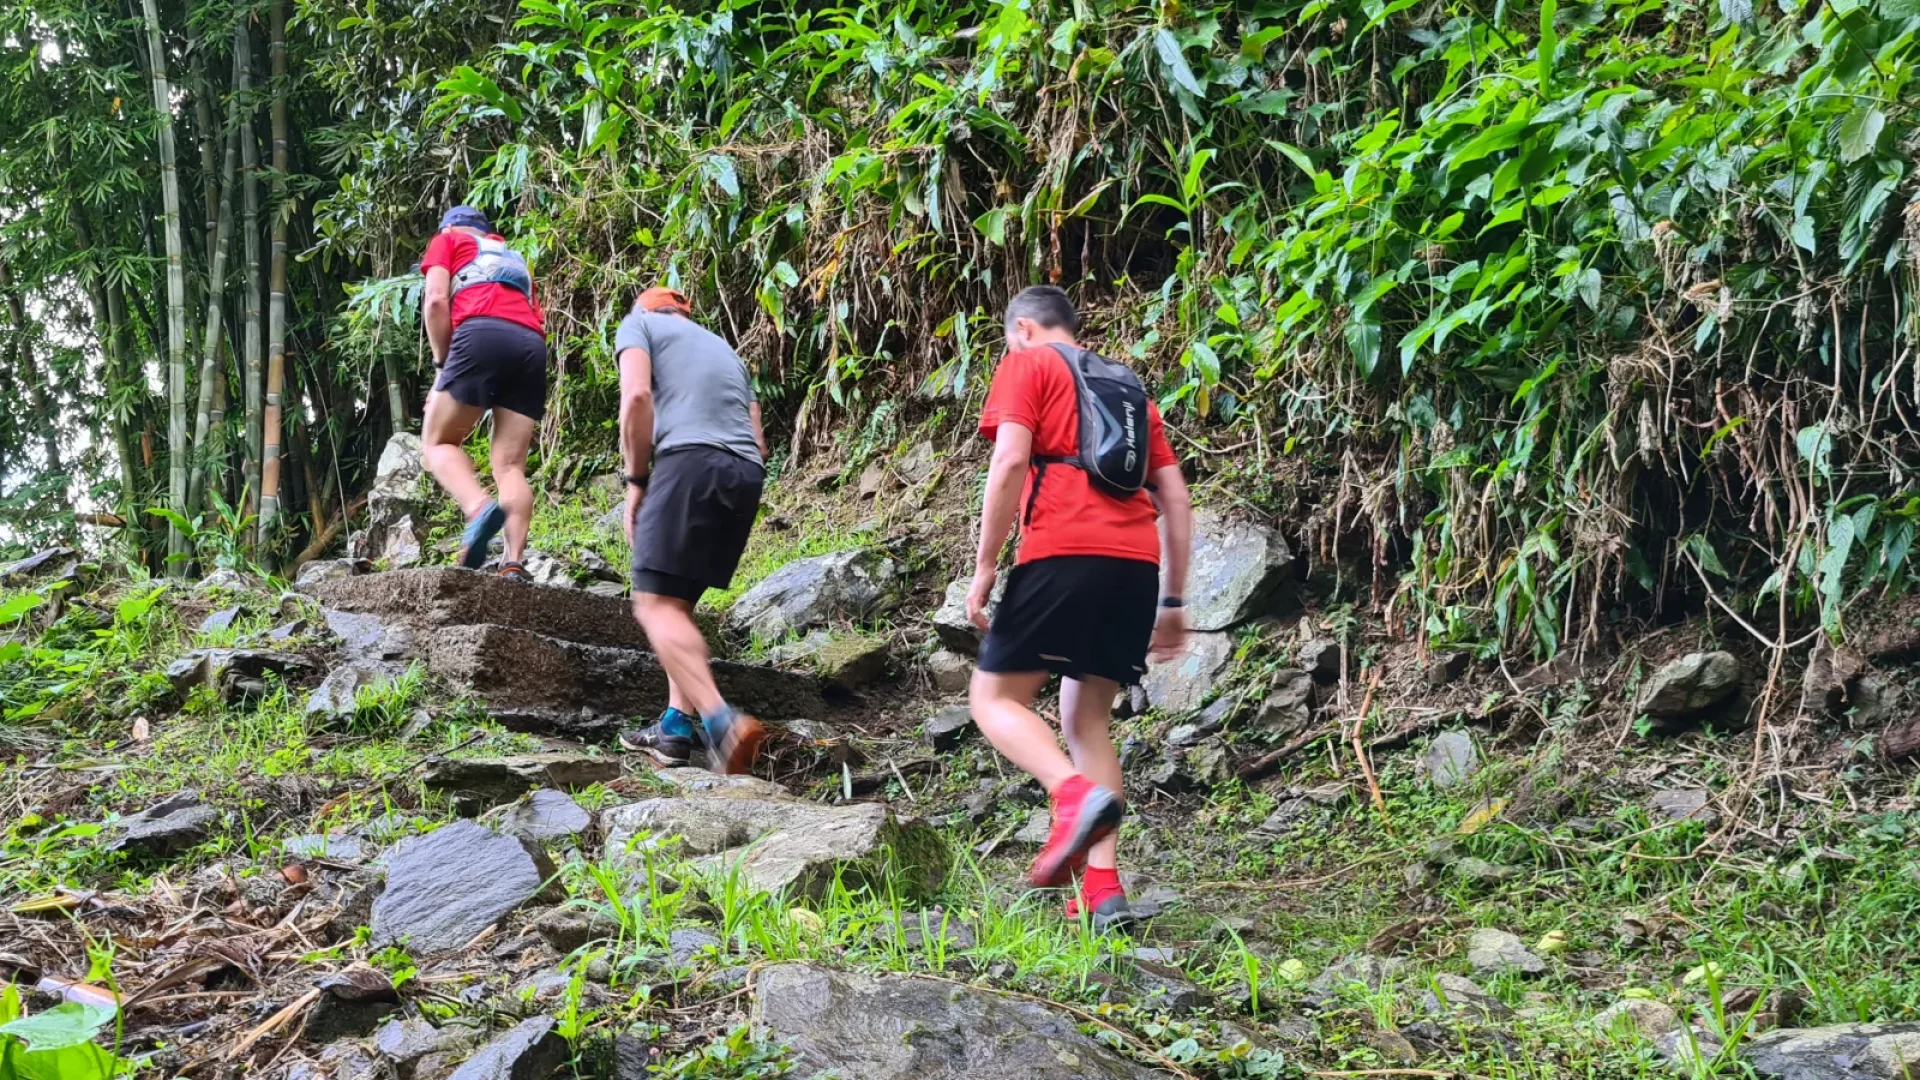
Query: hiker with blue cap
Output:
(489,342)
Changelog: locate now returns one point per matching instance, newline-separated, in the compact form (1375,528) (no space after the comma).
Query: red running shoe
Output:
(1084,813)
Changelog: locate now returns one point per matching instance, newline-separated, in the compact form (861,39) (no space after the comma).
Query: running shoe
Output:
(1111,913)
(513,571)
(480,531)
(656,742)
(1084,813)
(732,740)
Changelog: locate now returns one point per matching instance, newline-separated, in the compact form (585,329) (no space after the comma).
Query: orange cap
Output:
(661,298)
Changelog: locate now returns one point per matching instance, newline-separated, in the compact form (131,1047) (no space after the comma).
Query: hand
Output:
(1169,634)
(980,595)
(634,495)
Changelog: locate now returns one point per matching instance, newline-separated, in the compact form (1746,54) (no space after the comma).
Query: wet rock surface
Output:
(906,1028)
(447,886)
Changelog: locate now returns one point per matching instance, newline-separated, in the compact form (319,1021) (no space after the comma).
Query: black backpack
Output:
(1113,426)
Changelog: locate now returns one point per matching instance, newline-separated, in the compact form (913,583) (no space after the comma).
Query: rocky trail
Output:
(372,827)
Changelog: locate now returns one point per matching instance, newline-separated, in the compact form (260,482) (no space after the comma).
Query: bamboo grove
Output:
(1550,312)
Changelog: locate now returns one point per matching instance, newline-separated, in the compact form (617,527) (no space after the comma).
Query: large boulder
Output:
(393,505)
(846,661)
(445,887)
(1180,685)
(882,1027)
(818,591)
(1837,1052)
(778,842)
(950,622)
(1689,686)
(1239,567)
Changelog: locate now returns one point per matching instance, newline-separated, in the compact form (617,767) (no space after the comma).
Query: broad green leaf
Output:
(1815,447)
(67,1024)
(993,225)
(1802,233)
(720,170)
(733,114)
(1549,44)
(1168,47)
(1860,132)
(19,605)
(1363,338)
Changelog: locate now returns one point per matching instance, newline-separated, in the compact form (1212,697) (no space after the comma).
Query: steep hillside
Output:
(239,809)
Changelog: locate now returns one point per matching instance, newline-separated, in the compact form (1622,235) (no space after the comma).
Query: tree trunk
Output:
(107,319)
(250,229)
(210,367)
(177,448)
(277,283)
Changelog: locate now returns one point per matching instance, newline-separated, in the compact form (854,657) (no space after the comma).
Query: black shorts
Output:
(496,364)
(694,521)
(1076,616)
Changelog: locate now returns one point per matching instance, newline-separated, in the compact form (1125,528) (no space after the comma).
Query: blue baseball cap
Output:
(465,217)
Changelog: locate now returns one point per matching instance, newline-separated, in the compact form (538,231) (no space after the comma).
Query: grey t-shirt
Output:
(701,390)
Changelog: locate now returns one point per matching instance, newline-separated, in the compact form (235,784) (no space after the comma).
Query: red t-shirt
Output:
(454,249)
(1034,388)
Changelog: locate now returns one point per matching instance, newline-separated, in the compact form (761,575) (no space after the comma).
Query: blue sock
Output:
(675,722)
(720,721)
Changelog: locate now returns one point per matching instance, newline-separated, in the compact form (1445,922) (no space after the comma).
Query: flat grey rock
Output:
(476,784)
(446,886)
(1837,1052)
(220,620)
(545,816)
(532,1050)
(780,842)
(165,829)
(905,1028)
(1642,1017)
(1680,804)
(331,846)
(1497,950)
(1035,829)
(337,697)
(951,672)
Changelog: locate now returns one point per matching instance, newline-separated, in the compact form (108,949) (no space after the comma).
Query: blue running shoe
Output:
(480,532)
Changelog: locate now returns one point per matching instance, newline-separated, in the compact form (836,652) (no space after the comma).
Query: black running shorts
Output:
(694,521)
(1076,616)
(496,364)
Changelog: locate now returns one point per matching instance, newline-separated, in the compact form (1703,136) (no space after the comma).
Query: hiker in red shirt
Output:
(489,342)
(1081,460)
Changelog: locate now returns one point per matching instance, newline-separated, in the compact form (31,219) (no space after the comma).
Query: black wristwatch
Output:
(1172,601)
(638,481)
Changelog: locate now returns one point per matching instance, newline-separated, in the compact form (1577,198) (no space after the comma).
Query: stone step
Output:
(429,600)
(537,682)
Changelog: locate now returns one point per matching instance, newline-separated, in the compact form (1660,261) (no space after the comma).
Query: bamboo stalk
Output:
(177,448)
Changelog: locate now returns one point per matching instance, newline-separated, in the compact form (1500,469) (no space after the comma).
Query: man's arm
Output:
(759,432)
(1176,551)
(436,309)
(1176,526)
(1012,452)
(636,411)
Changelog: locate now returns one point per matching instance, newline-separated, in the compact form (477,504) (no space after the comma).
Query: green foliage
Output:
(57,1044)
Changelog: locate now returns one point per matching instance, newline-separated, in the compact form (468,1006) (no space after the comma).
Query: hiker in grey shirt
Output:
(695,458)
